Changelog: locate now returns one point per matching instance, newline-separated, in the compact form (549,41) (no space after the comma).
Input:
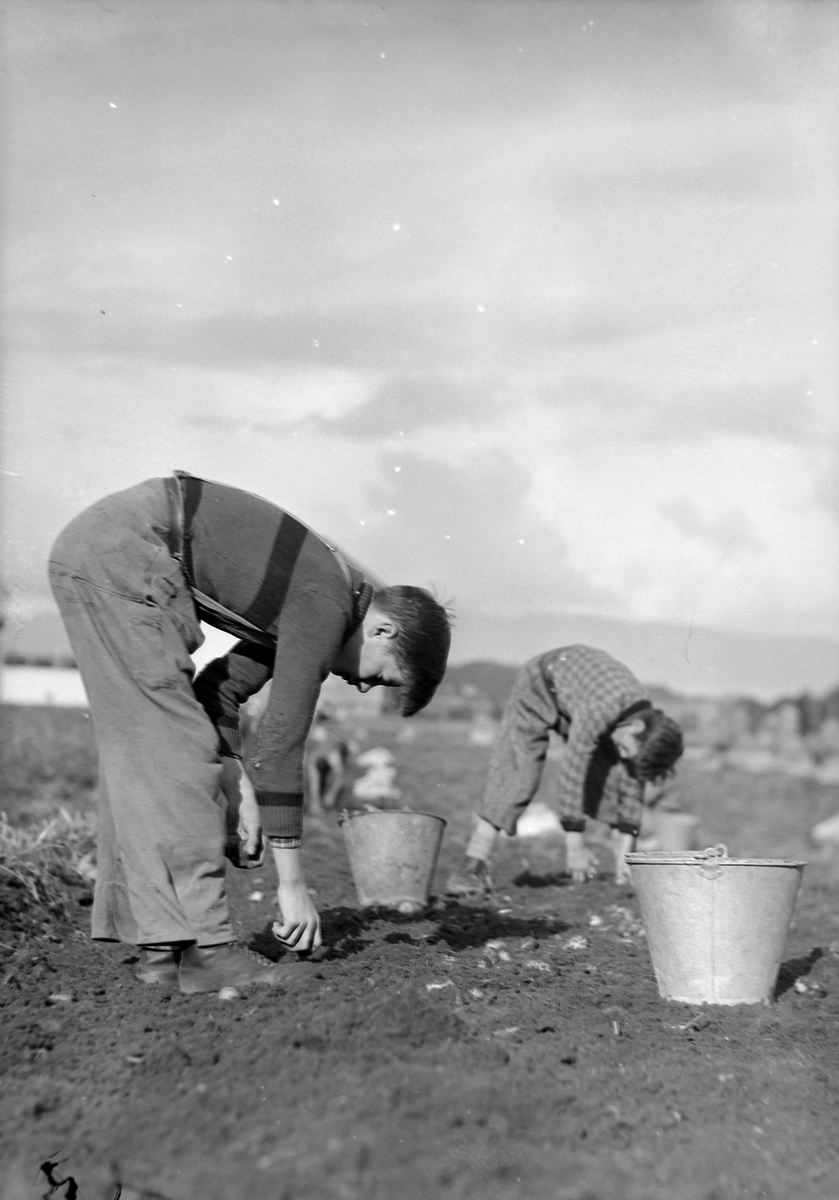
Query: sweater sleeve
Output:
(621,801)
(310,633)
(226,683)
(630,804)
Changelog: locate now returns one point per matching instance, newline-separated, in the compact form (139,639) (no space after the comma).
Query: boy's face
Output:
(377,666)
(369,661)
(627,739)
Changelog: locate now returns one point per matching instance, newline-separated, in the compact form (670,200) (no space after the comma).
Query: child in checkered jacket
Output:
(615,742)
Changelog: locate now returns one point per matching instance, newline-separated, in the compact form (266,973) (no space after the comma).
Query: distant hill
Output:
(490,678)
(669,659)
(496,681)
(686,660)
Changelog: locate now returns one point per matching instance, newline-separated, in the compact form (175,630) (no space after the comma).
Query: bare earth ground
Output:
(411,1062)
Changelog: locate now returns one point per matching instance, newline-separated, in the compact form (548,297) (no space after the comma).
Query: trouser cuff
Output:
(482,842)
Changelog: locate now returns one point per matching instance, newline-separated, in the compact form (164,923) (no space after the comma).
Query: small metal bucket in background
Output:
(716,926)
(674,830)
(393,856)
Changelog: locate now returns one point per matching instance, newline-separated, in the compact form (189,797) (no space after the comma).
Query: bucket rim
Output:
(391,812)
(692,858)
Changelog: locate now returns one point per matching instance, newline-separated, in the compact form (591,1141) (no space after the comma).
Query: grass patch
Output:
(46,871)
(48,758)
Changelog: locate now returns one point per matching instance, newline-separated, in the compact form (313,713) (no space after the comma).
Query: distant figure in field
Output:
(379,779)
(616,741)
(326,759)
(665,825)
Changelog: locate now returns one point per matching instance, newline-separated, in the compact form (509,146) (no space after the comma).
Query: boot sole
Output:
(464,891)
(153,977)
(201,988)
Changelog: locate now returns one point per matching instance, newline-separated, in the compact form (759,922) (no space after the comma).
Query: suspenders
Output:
(184,492)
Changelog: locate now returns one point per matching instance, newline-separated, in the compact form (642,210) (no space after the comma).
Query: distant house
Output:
(34,684)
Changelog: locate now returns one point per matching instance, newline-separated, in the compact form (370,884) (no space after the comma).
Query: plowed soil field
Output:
(514,1048)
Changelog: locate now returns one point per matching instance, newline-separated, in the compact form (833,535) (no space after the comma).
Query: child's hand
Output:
(579,860)
(245,843)
(299,925)
(622,844)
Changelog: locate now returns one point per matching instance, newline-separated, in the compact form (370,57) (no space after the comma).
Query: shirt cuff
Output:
(230,738)
(281,813)
(482,841)
(573,824)
(286,843)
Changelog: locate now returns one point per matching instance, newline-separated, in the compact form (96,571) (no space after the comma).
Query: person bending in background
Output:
(615,740)
(325,762)
(133,576)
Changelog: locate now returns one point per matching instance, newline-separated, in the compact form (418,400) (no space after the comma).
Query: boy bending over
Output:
(133,576)
(615,741)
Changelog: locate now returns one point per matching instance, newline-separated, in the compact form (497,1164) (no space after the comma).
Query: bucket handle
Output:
(713,856)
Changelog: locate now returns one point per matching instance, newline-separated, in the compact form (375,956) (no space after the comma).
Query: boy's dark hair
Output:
(421,646)
(661,744)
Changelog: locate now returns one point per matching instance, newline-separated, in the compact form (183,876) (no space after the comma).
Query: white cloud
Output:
(723,529)
(601,344)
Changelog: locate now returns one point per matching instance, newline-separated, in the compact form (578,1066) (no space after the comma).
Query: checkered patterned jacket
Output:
(590,693)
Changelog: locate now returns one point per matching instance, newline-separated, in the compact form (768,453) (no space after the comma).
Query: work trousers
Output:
(133,625)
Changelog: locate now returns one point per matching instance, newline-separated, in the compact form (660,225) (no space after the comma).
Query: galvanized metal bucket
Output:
(716,926)
(393,856)
(675,830)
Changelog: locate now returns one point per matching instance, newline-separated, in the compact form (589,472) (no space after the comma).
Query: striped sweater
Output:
(257,572)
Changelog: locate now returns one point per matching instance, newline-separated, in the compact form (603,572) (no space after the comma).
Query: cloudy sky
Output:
(535,303)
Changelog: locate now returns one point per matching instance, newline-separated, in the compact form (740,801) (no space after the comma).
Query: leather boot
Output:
(158,964)
(471,882)
(210,968)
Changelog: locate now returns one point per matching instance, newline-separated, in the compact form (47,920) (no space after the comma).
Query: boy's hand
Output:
(622,844)
(245,844)
(299,925)
(579,860)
